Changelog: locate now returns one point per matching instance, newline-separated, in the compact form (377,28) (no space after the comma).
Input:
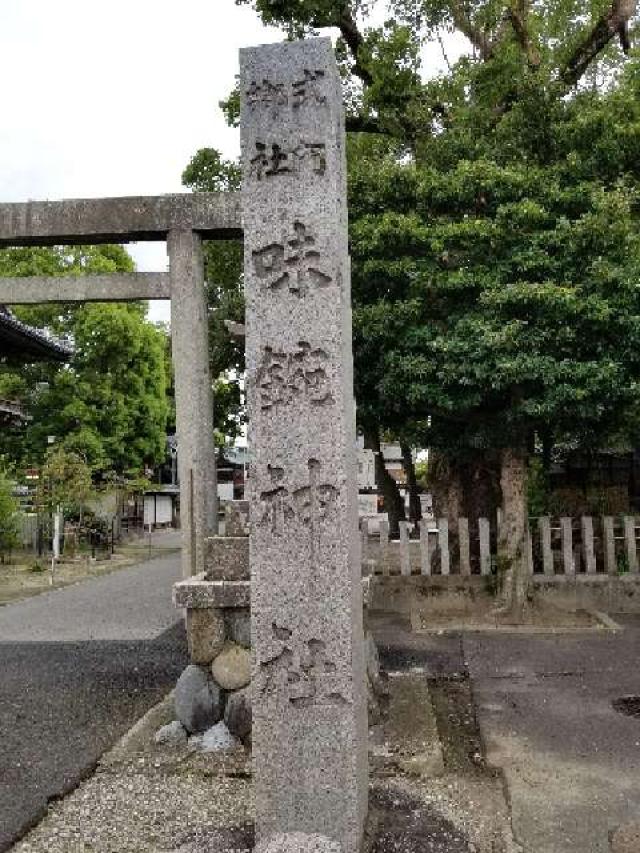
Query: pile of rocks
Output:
(215,686)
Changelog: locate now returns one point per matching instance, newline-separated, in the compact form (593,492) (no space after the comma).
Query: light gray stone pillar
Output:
(544,526)
(425,551)
(463,539)
(405,556)
(608,535)
(484,534)
(567,546)
(443,544)
(384,550)
(630,542)
(309,702)
(587,544)
(194,401)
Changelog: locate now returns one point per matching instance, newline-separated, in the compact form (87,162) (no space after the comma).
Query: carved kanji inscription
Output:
(283,506)
(274,159)
(305,91)
(299,669)
(295,265)
(286,376)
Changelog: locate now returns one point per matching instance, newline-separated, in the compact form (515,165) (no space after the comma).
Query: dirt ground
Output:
(24,575)
(539,616)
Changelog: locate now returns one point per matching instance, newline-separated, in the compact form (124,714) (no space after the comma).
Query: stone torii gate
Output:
(183,221)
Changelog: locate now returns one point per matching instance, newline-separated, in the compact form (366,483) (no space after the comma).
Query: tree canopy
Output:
(108,405)
(493,215)
(494,219)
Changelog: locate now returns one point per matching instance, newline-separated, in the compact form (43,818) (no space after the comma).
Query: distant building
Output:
(22,344)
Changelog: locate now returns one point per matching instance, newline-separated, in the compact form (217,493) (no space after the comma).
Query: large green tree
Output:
(109,403)
(493,224)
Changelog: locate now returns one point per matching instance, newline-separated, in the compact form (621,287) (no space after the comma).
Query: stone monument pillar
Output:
(309,701)
(194,399)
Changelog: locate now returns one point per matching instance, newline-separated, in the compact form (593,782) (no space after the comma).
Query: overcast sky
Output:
(113,98)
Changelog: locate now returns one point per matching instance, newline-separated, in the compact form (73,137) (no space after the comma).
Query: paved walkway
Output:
(572,763)
(128,604)
(544,708)
(79,666)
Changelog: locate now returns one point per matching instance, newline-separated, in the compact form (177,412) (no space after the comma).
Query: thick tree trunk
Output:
(415,509)
(387,486)
(512,563)
(446,487)
(481,489)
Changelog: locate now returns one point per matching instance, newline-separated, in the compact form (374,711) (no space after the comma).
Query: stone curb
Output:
(141,732)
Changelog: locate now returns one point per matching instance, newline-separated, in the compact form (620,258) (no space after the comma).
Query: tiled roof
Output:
(26,343)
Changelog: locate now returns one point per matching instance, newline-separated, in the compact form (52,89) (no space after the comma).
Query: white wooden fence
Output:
(555,546)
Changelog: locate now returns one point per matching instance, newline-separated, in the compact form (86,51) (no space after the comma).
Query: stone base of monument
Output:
(216,684)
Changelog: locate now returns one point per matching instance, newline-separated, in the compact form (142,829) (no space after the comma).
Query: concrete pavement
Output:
(78,667)
(571,762)
(129,604)
(543,703)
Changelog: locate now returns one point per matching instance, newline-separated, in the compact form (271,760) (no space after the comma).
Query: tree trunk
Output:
(481,490)
(415,509)
(512,561)
(387,486)
(446,487)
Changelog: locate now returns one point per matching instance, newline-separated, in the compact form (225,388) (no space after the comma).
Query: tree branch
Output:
(477,37)
(352,36)
(612,23)
(363,124)
(354,41)
(518,18)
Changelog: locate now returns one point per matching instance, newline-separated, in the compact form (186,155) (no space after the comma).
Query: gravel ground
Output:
(150,799)
(145,798)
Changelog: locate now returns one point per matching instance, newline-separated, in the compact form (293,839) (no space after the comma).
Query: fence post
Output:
(463,540)
(544,526)
(610,564)
(587,544)
(443,542)
(484,534)
(405,560)
(528,538)
(630,541)
(364,536)
(567,546)
(425,555)
(384,546)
